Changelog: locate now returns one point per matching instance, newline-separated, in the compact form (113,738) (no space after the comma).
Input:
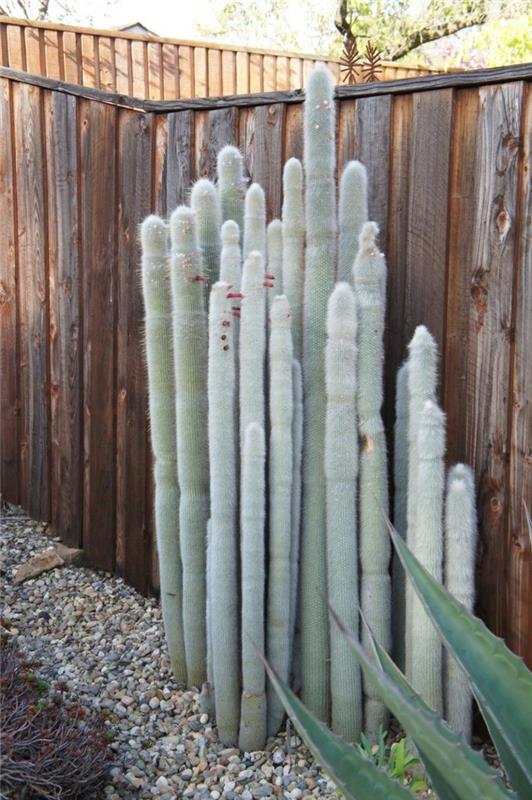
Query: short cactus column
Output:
(293,217)
(274,266)
(205,203)
(231,185)
(254,221)
(352,214)
(252,344)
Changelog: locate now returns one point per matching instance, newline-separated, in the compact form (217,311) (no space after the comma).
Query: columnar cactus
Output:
(341,470)
(293,217)
(253,708)
(254,221)
(222,587)
(274,268)
(205,203)
(231,185)
(375,590)
(190,359)
(459,568)
(158,330)
(320,268)
(352,214)
(400,470)
(426,642)
(252,344)
(422,376)
(280,495)
(297,443)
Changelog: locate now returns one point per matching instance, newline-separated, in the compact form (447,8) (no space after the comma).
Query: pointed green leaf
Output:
(466,772)
(357,777)
(501,682)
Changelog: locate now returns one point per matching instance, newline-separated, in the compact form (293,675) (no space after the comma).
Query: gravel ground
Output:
(105,641)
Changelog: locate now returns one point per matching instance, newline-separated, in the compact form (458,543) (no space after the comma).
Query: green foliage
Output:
(399,759)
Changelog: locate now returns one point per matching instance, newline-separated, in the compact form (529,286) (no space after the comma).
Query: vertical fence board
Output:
(213,130)
(106,62)
(200,66)
(255,72)
(228,72)
(518,617)
(269,76)
(51,54)
(155,71)
(33,302)
(71,58)
(121,61)
(134,202)
(242,72)
(34,52)
(14,47)
(88,60)
(179,158)
(293,132)
(186,71)
(267,166)
(170,72)
(65,311)
(214,87)
(9,369)
(486,128)
(138,65)
(98,160)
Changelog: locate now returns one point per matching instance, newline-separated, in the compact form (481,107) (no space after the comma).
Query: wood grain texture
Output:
(134,203)
(179,165)
(267,166)
(98,216)
(213,130)
(483,198)
(9,322)
(65,317)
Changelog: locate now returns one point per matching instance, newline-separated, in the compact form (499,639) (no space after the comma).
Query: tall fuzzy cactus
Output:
(341,469)
(293,217)
(459,560)
(253,707)
(222,588)
(297,443)
(400,471)
(252,344)
(254,221)
(205,203)
(426,642)
(158,328)
(190,359)
(274,264)
(231,185)
(352,214)
(320,268)
(422,376)
(280,495)
(375,591)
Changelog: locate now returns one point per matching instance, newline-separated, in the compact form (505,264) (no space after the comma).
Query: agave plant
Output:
(502,686)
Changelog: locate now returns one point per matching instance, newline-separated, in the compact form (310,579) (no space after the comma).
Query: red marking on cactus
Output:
(226,323)
(198,279)
(223,337)
(234,296)
(269,277)
(268,285)
(236,313)
(226,347)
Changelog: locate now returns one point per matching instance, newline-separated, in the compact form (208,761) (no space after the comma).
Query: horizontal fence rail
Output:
(449,166)
(152,68)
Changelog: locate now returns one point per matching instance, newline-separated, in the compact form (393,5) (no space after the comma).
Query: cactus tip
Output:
(368,238)
(293,170)
(153,232)
(422,338)
(230,232)
(280,309)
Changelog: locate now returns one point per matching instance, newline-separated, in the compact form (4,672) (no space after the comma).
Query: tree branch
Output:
(433,32)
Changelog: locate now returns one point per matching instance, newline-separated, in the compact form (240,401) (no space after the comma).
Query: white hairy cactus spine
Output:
(352,214)
(297,442)
(231,185)
(422,376)
(293,217)
(223,587)
(205,203)
(400,468)
(426,642)
(254,221)
(369,274)
(252,343)
(274,269)
(341,470)
(253,709)
(320,268)
(459,568)
(159,357)
(280,495)
(190,359)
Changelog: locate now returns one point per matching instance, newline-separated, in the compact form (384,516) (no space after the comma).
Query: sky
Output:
(176,20)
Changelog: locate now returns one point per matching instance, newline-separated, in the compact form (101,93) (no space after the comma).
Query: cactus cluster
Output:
(264,346)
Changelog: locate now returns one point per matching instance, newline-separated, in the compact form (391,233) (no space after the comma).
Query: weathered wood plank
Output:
(9,322)
(186,72)
(139,69)
(170,72)
(121,60)
(242,73)
(98,182)
(214,66)
(519,613)
(71,58)
(88,61)
(134,203)
(106,62)
(213,130)
(179,166)
(293,132)
(33,302)
(255,73)
(229,72)
(266,142)
(51,54)
(483,184)
(199,87)
(269,77)
(35,63)
(15,53)
(65,317)
(155,71)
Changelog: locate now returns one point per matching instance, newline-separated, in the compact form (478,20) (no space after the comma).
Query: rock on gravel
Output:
(105,642)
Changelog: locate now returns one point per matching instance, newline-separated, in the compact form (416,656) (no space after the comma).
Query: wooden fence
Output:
(449,164)
(157,69)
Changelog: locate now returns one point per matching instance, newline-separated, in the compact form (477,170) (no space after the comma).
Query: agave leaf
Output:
(501,682)
(465,771)
(357,777)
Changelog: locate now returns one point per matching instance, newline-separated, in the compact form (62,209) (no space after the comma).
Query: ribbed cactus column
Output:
(460,547)
(231,258)
(223,585)
(206,698)
(400,469)
(158,330)
(297,457)
(274,269)
(280,496)
(253,709)
(252,344)
(426,643)
(231,186)
(375,590)
(190,359)
(341,470)
(320,268)
(352,214)
(254,221)
(205,203)
(293,217)
(422,375)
